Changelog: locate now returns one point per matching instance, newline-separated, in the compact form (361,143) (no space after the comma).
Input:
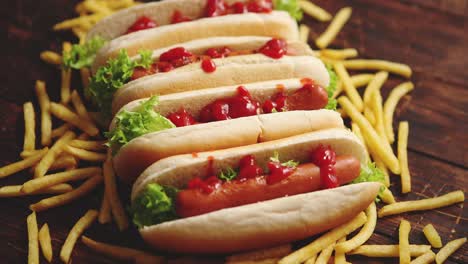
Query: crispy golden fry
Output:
(80,33)
(403,157)
(339,54)
(314,11)
(78,21)
(403,238)
(325,240)
(432,236)
(387,196)
(105,211)
(28,153)
(79,106)
(37,184)
(68,197)
(52,154)
(334,28)
(358,80)
(85,75)
(423,204)
(68,116)
(374,85)
(364,234)
(95,7)
(64,161)
(113,251)
(348,86)
(83,136)
(51,57)
(379,163)
(425,258)
(23,164)
(372,138)
(113,196)
(88,144)
(378,114)
(66,78)
(325,255)
(274,252)
(85,154)
(44,104)
(78,229)
(381,65)
(61,130)
(311,260)
(388,251)
(15,190)
(357,131)
(33,241)
(29,127)
(340,257)
(45,242)
(448,249)
(304,32)
(389,107)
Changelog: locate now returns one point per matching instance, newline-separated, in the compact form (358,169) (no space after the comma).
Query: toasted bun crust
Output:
(243,43)
(277,24)
(263,224)
(229,71)
(133,158)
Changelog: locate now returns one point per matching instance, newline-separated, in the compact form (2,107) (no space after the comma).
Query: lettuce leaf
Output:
(109,78)
(228,174)
(154,205)
(289,163)
(370,173)
(331,88)
(290,6)
(132,124)
(82,55)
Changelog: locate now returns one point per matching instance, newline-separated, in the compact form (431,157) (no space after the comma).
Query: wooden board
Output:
(430,36)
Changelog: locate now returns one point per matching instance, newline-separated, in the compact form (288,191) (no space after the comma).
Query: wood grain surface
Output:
(430,36)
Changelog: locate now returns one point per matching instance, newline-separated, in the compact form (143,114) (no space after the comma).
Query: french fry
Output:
(13,168)
(357,131)
(387,196)
(425,258)
(45,242)
(374,85)
(358,80)
(33,240)
(78,21)
(83,136)
(88,145)
(432,236)
(29,127)
(63,162)
(311,260)
(314,11)
(105,211)
(325,240)
(41,183)
(112,195)
(389,107)
(340,257)
(364,234)
(85,154)
(44,104)
(51,57)
(304,32)
(52,154)
(380,65)
(80,33)
(448,249)
(78,229)
(339,54)
(348,86)
(325,255)
(379,163)
(371,137)
(66,78)
(274,252)
(79,106)
(94,7)
(334,28)
(61,130)
(403,157)
(378,114)
(388,251)
(403,238)
(68,197)
(68,116)
(116,252)
(28,153)
(423,204)
(370,116)
(15,190)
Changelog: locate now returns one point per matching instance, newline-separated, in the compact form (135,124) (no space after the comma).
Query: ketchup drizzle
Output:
(142,23)
(325,158)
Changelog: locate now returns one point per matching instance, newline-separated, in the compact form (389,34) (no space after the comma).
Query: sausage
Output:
(310,97)
(306,178)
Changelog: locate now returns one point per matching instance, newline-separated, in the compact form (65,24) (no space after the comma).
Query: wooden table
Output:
(430,36)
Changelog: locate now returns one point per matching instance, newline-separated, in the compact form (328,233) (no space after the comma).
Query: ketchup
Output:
(278,172)
(218,52)
(208,65)
(207,186)
(175,54)
(181,118)
(142,23)
(248,168)
(237,106)
(215,8)
(276,103)
(220,8)
(177,17)
(274,48)
(325,158)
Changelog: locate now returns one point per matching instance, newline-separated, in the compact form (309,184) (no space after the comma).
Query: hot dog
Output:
(238,199)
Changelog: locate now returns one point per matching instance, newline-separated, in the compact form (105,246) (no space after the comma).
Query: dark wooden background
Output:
(429,35)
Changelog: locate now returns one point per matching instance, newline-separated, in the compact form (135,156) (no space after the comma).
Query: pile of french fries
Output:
(57,161)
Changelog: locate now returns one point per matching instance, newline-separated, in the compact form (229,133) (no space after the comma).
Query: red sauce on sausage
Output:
(141,24)
(325,158)
(274,48)
(182,118)
(208,65)
(177,17)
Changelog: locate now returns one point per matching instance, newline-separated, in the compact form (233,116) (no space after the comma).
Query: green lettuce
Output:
(331,88)
(154,205)
(82,55)
(132,124)
(111,77)
(289,163)
(290,6)
(370,173)
(228,174)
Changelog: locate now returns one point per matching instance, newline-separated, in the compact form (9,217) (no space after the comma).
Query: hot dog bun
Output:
(261,224)
(229,71)
(277,24)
